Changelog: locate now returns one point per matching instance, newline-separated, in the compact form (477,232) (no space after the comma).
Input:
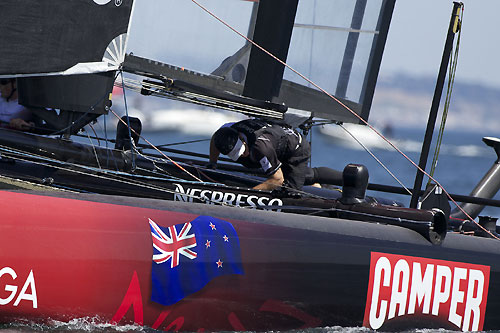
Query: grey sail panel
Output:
(62,36)
(322,106)
(338,44)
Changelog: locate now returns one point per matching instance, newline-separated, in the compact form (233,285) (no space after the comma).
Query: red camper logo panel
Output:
(445,292)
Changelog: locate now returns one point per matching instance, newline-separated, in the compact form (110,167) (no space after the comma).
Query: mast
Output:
(285,28)
(452,29)
(273,31)
(378,46)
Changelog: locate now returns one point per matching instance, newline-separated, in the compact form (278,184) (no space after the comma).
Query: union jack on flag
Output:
(179,243)
(199,251)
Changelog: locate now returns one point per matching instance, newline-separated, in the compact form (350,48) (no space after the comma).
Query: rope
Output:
(190,97)
(375,157)
(12,153)
(451,80)
(341,104)
(154,147)
(106,140)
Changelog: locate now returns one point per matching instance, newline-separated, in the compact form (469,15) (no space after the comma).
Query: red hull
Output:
(94,259)
(63,258)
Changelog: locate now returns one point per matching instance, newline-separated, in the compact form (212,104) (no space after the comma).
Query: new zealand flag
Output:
(188,256)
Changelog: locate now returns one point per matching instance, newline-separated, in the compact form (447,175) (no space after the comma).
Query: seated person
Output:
(280,151)
(11,112)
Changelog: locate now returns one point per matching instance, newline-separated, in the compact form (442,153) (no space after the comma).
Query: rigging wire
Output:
(116,176)
(95,152)
(199,171)
(95,134)
(341,104)
(198,179)
(120,177)
(375,157)
(155,148)
(106,140)
(128,121)
(159,90)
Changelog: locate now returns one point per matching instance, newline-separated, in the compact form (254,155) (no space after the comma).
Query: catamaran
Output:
(124,236)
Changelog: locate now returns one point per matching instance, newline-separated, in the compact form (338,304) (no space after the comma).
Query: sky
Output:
(418,32)
(161,28)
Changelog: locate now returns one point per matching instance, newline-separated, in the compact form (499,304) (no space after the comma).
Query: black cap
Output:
(225,139)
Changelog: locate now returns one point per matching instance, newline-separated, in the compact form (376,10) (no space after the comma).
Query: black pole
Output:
(435,103)
(378,46)
(350,49)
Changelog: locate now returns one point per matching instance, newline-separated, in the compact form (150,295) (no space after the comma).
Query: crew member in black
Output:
(280,151)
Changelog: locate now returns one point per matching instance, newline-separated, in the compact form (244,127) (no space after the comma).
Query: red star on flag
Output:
(226,239)
(207,244)
(219,263)
(212,226)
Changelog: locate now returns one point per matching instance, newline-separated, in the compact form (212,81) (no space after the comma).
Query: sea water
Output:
(85,325)
(463,161)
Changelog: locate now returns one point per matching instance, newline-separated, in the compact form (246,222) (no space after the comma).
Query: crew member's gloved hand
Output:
(211,165)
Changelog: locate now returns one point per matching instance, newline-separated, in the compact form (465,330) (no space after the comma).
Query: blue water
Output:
(462,163)
(463,160)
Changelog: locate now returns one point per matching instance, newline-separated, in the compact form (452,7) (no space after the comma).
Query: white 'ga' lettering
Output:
(23,295)
(30,282)
(12,289)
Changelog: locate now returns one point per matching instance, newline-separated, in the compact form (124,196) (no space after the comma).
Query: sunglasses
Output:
(4,82)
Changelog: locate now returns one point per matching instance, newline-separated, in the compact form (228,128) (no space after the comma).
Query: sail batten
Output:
(326,27)
(337,44)
(61,36)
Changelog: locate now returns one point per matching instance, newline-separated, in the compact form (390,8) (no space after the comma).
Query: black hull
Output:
(299,271)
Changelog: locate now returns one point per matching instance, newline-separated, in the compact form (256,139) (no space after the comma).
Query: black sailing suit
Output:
(273,146)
